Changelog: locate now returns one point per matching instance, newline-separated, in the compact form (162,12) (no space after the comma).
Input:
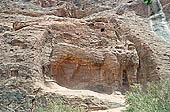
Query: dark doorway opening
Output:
(125,83)
(102,30)
(124,78)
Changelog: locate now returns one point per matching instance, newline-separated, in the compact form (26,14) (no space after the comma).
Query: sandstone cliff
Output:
(99,46)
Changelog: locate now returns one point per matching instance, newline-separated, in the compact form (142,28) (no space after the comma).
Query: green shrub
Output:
(58,106)
(155,97)
(148,2)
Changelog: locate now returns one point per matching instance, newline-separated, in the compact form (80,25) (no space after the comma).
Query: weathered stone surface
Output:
(91,57)
(152,57)
(101,52)
(80,54)
(140,8)
(73,51)
(66,8)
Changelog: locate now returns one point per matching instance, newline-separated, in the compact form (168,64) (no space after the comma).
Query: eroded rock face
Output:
(79,54)
(91,55)
(61,8)
(100,52)
(140,8)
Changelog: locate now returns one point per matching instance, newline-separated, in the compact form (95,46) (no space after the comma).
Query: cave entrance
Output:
(125,83)
(124,78)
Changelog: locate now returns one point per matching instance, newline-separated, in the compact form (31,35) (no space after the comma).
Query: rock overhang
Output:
(82,56)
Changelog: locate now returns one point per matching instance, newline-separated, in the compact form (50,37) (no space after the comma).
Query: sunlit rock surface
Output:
(105,51)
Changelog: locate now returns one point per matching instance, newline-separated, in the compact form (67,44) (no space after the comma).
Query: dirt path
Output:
(119,109)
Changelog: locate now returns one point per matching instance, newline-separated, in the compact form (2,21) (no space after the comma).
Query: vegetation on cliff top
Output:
(147,1)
